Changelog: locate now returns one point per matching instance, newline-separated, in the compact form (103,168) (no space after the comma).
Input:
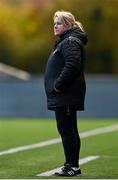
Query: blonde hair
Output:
(68,18)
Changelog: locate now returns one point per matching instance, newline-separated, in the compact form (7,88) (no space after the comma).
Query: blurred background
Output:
(26,39)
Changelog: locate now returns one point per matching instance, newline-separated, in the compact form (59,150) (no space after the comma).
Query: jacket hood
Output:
(76,32)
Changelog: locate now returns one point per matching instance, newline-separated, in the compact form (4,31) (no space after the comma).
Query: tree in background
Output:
(26,34)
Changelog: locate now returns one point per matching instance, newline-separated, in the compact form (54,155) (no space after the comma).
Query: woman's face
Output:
(59,27)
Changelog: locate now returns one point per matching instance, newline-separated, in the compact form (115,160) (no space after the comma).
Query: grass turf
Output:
(26,164)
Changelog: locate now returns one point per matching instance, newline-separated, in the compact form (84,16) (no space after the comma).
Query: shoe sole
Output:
(56,174)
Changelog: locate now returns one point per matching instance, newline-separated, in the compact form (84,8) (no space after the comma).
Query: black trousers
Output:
(66,119)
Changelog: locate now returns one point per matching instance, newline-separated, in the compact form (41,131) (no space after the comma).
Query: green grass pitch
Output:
(27,164)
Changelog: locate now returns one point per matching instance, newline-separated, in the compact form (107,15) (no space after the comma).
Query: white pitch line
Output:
(32,146)
(102,130)
(82,161)
(58,140)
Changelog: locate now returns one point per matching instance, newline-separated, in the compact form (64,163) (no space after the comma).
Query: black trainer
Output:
(68,170)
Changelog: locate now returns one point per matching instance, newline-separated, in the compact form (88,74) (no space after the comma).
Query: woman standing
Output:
(65,85)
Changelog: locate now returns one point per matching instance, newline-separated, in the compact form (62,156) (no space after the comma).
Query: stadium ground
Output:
(27,164)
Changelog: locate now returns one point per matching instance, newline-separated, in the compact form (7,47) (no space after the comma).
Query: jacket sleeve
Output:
(71,52)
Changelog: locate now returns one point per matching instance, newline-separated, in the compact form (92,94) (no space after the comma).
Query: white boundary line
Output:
(58,140)
(32,146)
(82,161)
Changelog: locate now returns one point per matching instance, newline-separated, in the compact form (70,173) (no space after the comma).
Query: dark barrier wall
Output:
(27,98)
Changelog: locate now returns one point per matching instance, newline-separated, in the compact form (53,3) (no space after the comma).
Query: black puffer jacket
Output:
(65,71)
